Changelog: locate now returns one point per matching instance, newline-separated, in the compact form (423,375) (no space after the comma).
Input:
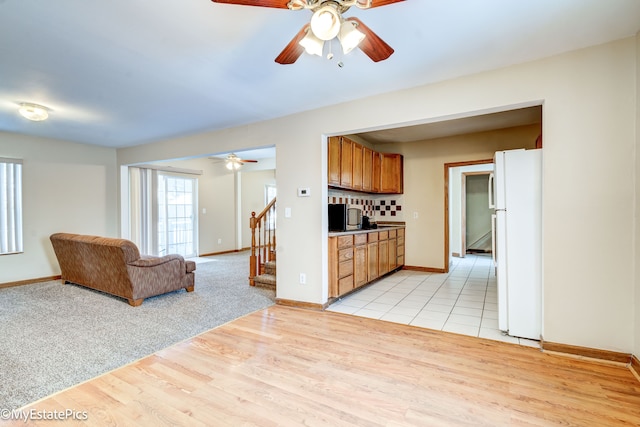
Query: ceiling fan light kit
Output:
(326,24)
(350,37)
(311,44)
(233,166)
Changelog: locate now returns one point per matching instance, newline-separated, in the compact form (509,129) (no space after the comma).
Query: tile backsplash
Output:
(382,207)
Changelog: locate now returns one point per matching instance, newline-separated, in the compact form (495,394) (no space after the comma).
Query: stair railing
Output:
(263,239)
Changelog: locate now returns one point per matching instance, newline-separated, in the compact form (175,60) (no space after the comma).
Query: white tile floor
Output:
(463,301)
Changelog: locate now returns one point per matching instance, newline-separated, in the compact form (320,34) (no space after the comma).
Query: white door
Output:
(177,207)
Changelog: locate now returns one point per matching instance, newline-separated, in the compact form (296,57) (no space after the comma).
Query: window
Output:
(10,206)
(269,195)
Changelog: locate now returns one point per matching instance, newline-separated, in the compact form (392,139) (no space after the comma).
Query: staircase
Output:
(268,278)
(262,261)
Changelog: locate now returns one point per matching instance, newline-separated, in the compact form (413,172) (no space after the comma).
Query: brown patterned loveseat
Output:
(115,266)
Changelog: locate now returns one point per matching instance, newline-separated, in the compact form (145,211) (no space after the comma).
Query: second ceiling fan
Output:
(326,24)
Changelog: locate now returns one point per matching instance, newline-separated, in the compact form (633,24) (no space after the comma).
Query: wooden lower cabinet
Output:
(383,257)
(362,257)
(372,261)
(359,260)
(400,247)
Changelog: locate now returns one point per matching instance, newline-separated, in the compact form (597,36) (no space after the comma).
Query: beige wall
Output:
(589,124)
(66,187)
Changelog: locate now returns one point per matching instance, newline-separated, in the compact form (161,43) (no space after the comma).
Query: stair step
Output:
(270,267)
(265,280)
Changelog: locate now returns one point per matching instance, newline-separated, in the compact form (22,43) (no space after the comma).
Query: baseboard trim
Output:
(424,269)
(29,281)
(301,304)
(635,366)
(232,251)
(593,353)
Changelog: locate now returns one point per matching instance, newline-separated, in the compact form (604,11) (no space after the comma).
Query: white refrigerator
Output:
(515,192)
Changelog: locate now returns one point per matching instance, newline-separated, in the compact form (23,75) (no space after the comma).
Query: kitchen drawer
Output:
(401,260)
(383,235)
(345,285)
(400,250)
(373,236)
(345,241)
(345,268)
(345,255)
(360,239)
(400,240)
(401,232)
(393,233)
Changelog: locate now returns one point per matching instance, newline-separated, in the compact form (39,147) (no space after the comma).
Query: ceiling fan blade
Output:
(247,161)
(293,50)
(378,3)
(280,4)
(372,45)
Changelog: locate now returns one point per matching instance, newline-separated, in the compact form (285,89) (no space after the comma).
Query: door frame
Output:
(448,166)
(463,205)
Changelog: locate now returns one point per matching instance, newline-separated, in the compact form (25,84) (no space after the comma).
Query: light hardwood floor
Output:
(289,367)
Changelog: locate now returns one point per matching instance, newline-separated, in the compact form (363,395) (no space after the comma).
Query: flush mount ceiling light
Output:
(326,24)
(33,112)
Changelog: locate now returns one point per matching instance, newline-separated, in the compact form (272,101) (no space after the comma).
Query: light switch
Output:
(287,212)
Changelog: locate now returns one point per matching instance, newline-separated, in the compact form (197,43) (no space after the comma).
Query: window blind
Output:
(10,206)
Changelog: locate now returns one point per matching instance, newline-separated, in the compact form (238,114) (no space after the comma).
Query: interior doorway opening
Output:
(476,214)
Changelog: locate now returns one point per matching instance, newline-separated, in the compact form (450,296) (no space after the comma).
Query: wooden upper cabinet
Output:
(377,170)
(357,176)
(367,169)
(346,163)
(354,166)
(391,173)
(333,170)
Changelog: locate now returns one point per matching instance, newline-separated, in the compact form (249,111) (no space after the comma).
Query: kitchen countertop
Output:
(380,228)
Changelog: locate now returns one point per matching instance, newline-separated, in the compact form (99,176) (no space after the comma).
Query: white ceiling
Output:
(126,72)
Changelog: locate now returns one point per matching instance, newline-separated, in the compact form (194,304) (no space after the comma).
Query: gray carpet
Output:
(53,336)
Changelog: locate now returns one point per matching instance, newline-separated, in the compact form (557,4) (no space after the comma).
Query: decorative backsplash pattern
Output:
(372,206)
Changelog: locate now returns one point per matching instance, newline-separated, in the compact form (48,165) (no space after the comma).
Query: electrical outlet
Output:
(415,215)
(219,241)
(303,279)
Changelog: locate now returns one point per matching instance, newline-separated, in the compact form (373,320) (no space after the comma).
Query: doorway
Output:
(177,227)
(476,214)
(455,235)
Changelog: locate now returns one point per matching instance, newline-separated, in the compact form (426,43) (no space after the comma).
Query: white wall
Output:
(589,122)
(66,187)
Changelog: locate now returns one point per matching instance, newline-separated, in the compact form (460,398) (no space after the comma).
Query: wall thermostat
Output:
(304,192)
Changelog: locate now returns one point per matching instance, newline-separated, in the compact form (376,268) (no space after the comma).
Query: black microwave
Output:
(343,218)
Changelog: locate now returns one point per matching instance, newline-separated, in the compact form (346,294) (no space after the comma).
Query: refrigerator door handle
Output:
(493,238)
(492,202)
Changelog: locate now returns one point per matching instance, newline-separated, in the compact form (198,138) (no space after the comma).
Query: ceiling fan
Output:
(326,24)
(233,162)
